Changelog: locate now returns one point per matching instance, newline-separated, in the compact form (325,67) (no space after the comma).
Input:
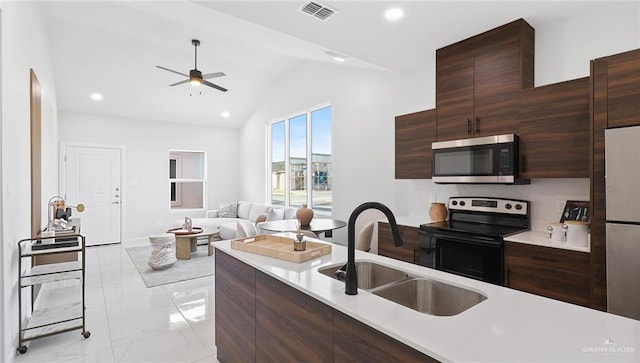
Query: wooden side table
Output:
(187,243)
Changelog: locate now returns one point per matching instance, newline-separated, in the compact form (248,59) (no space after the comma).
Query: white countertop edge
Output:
(503,327)
(542,239)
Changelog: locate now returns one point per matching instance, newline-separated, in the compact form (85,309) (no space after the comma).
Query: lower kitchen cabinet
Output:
(409,251)
(357,342)
(261,319)
(235,312)
(551,272)
(290,325)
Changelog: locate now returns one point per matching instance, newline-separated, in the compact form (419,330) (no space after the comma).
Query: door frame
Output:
(123,187)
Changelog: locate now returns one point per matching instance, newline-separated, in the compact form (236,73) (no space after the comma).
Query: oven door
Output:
(476,257)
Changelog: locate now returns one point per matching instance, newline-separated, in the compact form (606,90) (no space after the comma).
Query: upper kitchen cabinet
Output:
(414,134)
(622,76)
(554,130)
(478,82)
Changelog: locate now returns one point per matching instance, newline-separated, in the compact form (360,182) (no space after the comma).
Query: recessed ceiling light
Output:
(336,56)
(394,14)
(96,96)
(225,114)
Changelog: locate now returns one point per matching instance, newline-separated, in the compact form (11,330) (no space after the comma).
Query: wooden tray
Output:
(280,248)
(179,231)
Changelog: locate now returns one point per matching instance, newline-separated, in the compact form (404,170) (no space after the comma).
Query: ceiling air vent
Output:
(318,11)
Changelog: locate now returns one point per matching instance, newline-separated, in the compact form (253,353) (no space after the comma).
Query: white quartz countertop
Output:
(508,326)
(542,239)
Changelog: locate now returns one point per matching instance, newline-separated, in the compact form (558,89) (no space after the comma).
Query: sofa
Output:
(239,219)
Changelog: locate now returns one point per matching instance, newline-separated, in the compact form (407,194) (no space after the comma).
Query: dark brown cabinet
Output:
(414,134)
(555,273)
(623,89)
(235,309)
(357,342)
(615,92)
(478,82)
(290,325)
(409,251)
(261,319)
(554,130)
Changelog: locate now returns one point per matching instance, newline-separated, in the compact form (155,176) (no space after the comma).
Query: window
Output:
(187,179)
(300,154)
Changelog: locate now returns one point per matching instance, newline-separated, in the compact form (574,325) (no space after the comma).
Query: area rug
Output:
(200,265)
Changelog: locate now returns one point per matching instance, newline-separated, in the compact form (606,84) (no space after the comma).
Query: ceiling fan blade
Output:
(214,86)
(213,75)
(171,70)
(181,82)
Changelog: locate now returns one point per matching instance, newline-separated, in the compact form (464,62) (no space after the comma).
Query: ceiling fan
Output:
(195,77)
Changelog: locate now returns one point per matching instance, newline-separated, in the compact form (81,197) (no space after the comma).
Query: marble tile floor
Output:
(128,321)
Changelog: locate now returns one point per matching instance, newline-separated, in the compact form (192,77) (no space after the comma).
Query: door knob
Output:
(116,202)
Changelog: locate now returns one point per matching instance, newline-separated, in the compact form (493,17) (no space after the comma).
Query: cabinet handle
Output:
(544,258)
(468,126)
(477,124)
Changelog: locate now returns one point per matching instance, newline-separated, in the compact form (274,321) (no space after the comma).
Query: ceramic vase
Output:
(437,212)
(304,215)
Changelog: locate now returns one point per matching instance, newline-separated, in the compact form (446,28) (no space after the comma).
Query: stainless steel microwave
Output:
(480,160)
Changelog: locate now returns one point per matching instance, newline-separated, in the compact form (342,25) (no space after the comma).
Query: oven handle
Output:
(470,239)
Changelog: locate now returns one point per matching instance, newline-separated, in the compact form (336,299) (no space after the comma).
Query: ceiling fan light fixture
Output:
(196,82)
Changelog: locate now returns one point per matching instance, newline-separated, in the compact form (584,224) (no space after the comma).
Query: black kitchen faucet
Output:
(351,278)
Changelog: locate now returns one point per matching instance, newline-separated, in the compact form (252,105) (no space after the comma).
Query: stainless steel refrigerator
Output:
(622,171)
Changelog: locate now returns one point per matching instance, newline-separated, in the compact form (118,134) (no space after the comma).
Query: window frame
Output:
(287,155)
(174,154)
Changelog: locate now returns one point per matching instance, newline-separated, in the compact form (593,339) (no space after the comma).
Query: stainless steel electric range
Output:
(471,242)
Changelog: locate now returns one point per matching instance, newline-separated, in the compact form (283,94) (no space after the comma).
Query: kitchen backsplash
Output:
(547,196)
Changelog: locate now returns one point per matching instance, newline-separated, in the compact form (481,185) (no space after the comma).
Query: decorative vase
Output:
(304,215)
(437,212)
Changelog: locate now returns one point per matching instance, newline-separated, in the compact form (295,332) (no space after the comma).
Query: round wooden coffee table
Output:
(188,243)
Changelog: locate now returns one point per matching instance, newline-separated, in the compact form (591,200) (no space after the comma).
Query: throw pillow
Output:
(275,214)
(261,218)
(228,210)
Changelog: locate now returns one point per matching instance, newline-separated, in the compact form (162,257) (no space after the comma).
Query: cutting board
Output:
(280,248)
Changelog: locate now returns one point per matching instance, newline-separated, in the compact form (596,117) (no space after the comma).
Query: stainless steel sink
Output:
(430,296)
(370,274)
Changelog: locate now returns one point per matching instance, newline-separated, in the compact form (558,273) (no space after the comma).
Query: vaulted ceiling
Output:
(112,47)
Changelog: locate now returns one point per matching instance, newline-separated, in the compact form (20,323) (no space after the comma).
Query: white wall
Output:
(365,103)
(24,46)
(145,186)
(565,46)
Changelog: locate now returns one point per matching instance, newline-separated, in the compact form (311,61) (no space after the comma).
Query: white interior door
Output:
(93,177)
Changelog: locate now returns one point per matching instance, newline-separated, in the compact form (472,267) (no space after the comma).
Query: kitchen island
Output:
(508,326)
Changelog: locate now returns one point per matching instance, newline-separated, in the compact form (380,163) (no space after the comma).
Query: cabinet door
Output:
(291,326)
(551,272)
(554,130)
(478,82)
(496,86)
(454,96)
(409,251)
(623,89)
(235,309)
(356,342)
(414,134)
